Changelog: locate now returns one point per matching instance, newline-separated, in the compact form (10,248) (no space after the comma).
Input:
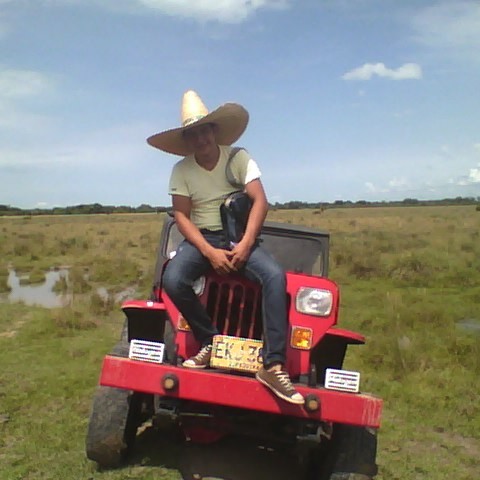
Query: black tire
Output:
(349,455)
(122,347)
(113,425)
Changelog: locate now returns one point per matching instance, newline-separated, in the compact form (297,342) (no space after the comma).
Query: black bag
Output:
(234,212)
(235,209)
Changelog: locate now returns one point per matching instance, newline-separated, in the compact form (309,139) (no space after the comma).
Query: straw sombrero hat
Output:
(231,120)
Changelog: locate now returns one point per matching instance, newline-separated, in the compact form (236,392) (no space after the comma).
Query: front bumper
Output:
(220,388)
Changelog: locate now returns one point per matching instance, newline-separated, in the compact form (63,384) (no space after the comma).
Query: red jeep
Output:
(331,437)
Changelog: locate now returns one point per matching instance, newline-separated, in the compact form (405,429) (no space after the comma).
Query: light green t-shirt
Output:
(208,189)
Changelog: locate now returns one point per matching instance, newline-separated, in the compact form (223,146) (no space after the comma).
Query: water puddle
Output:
(119,297)
(41,295)
(469,325)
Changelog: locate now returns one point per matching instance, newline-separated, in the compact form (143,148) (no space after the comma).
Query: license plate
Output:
(236,353)
(342,380)
(146,351)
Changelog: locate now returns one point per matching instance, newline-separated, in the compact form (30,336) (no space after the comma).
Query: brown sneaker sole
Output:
(191,364)
(279,394)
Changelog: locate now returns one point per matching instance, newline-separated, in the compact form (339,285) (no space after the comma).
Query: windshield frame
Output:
(274,237)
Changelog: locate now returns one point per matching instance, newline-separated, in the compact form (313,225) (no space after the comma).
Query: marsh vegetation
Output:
(409,280)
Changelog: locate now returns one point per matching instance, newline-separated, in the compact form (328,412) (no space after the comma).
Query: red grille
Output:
(235,306)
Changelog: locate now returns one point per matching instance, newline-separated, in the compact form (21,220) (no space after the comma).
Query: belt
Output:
(211,232)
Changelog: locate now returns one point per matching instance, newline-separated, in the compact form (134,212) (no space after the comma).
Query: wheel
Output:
(122,347)
(115,417)
(356,449)
(349,455)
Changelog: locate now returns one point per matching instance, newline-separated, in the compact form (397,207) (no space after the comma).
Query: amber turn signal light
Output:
(301,338)
(182,324)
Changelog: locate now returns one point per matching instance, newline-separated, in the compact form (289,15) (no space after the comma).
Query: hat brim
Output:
(231,120)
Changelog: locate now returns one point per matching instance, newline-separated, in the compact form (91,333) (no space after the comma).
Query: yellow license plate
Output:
(236,353)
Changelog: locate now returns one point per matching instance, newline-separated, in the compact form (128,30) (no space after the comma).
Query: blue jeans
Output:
(189,264)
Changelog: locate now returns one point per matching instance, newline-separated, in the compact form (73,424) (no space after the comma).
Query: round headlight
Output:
(199,286)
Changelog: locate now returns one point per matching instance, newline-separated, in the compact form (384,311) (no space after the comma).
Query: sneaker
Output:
(280,384)
(201,359)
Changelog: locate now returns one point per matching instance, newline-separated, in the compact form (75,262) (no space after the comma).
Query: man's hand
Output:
(221,261)
(239,255)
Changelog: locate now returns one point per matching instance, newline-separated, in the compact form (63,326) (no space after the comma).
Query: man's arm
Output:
(218,258)
(258,213)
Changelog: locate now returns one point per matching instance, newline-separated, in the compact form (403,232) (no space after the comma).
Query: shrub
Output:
(101,303)
(4,287)
(36,276)
(77,280)
(72,318)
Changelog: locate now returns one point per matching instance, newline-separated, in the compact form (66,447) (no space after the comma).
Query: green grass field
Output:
(409,279)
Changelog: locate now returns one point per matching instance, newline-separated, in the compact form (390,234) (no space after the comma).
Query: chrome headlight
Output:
(199,286)
(314,301)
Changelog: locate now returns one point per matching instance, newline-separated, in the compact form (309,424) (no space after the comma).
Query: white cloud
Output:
(227,11)
(474,175)
(22,83)
(398,183)
(15,117)
(408,71)
(472,178)
(105,148)
(16,86)
(449,24)
(395,185)
(372,188)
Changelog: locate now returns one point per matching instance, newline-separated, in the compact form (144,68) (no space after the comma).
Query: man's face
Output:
(201,139)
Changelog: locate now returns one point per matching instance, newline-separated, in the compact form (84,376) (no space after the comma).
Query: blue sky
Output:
(348,99)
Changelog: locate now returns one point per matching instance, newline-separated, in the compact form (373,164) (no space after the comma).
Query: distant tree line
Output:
(297,205)
(83,209)
(97,208)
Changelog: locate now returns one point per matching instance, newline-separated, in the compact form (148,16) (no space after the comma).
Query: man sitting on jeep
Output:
(198,186)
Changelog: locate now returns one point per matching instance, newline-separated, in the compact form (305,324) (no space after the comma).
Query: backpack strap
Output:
(228,169)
